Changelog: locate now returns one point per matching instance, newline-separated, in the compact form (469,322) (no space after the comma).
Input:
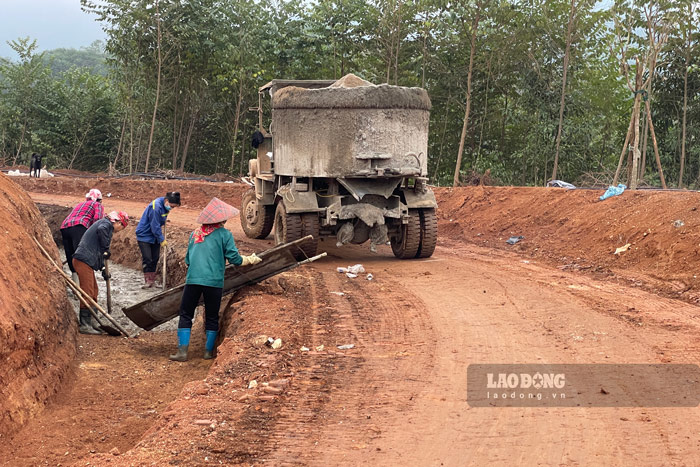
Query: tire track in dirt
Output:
(342,396)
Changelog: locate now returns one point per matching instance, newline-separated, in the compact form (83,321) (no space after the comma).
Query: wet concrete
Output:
(125,291)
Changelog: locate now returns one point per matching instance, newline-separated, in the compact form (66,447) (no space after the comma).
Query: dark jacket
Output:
(150,228)
(94,243)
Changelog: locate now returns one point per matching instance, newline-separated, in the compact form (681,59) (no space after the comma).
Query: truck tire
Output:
(428,233)
(310,225)
(256,219)
(407,244)
(290,227)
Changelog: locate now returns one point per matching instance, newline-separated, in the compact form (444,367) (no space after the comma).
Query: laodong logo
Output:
(525,380)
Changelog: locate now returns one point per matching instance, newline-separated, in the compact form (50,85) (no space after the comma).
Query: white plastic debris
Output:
(304,349)
(277,344)
(370,276)
(356,269)
(319,348)
(351,275)
(622,249)
(346,346)
(340,294)
(252,384)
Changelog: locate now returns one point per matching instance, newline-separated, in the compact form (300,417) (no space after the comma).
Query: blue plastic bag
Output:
(613,191)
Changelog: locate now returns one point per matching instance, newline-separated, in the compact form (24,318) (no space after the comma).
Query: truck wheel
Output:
(406,245)
(290,227)
(256,218)
(428,233)
(310,226)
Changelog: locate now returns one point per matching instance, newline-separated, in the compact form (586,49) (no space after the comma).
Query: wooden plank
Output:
(165,306)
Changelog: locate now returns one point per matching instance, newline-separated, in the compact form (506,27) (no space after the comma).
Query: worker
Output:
(78,221)
(90,256)
(209,247)
(150,236)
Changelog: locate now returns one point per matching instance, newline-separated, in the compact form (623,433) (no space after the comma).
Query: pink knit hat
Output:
(216,211)
(94,194)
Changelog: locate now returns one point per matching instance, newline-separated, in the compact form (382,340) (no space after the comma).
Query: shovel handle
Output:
(86,298)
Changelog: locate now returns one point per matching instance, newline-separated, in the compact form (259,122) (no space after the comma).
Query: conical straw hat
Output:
(216,211)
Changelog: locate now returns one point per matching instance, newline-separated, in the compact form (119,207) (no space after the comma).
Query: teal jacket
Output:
(206,261)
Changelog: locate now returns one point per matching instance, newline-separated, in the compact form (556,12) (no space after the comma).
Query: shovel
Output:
(105,327)
(109,288)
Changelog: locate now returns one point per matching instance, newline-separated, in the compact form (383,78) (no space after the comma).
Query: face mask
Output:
(168,208)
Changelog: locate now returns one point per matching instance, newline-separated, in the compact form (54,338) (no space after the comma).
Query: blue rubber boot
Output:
(209,348)
(183,344)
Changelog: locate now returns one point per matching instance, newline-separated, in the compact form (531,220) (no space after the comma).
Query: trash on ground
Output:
(622,249)
(560,184)
(351,275)
(277,344)
(340,294)
(356,269)
(319,348)
(678,223)
(304,349)
(514,240)
(346,346)
(613,191)
(270,341)
(370,276)
(252,384)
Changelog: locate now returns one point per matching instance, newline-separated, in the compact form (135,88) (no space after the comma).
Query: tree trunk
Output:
(458,166)
(236,121)
(131,143)
(442,139)
(656,147)
(486,109)
(685,113)
(190,129)
(625,149)
(645,136)
(121,141)
(21,141)
(567,53)
(155,106)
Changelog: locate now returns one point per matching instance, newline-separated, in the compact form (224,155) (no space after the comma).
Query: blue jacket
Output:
(150,228)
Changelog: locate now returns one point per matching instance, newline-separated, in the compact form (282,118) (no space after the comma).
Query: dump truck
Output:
(345,160)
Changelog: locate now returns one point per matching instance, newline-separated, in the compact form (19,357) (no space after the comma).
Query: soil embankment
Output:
(37,329)
(576,231)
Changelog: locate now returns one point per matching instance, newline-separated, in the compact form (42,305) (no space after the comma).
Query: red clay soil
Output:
(195,194)
(574,230)
(37,329)
(398,396)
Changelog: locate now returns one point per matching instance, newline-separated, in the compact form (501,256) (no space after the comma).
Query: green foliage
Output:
(93,107)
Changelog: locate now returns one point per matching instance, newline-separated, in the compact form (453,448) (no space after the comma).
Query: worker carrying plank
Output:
(209,247)
(150,236)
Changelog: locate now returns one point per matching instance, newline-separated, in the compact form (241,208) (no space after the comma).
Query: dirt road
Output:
(399,396)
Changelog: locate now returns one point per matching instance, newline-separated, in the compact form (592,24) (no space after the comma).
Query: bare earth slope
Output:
(399,396)
(37,332)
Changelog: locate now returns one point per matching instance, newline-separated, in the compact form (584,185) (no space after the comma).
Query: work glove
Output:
(105,275)
(164,243)
(252,259)
(107,254)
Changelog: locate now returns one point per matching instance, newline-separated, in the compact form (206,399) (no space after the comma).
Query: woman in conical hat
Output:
(210,246)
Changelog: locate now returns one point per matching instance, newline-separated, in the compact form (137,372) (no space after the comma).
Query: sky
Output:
(53,23)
